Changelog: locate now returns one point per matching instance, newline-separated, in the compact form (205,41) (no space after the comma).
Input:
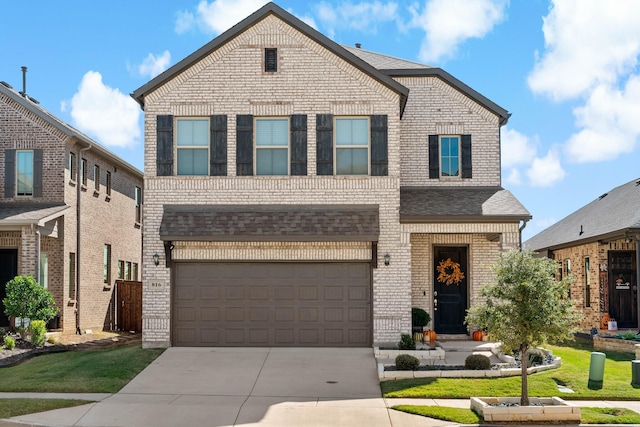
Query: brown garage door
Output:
(272,304)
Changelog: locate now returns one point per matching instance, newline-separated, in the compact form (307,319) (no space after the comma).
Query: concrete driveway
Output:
(244,387)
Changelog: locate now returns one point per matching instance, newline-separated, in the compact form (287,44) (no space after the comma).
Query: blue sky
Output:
(567,71)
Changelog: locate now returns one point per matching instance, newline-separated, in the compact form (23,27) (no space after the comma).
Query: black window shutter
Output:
(244,145)
(299,144)
(218,145)
(379,146)
(466,156)
(324,144)
(434,157)
(9,173)
(164,145)
(37,172)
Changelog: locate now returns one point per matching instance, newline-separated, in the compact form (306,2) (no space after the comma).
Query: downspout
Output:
(36,275)
(524,224)
(78,257)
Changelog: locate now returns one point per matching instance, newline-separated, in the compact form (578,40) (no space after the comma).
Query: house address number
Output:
(157,285)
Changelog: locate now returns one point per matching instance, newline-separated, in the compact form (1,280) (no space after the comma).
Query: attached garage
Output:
(280,304)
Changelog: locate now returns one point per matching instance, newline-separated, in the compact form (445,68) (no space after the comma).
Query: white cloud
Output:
(217,16)
(153,65)
(105,113)
(363,16)
(517,149)
(587,42)
(546,171)
(609,122)
(448,23)
(514,177)
(307,19)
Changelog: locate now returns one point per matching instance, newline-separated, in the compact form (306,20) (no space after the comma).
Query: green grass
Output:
(16,407)
(467,416)
(98,371)
(456,415)
(574,373)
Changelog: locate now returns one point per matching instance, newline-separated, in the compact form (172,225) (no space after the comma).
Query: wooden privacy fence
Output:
(129,305)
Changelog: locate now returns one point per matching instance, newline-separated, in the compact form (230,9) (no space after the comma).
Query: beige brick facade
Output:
(104,219)
(314,80)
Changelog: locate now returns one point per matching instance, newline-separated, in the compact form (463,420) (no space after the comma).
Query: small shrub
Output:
(3,333)
(52,340)
(406,342)
(627,336)
(477,362)
(406,362)
(419,318)
(9,343)
(38,333)
(535,356)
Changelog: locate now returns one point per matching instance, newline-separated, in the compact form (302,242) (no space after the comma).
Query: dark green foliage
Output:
(28,299)
(9,343)
(535,356)
(419,317)
(477,362)
(406,362)
(3,333)
(406,342)
(38,333)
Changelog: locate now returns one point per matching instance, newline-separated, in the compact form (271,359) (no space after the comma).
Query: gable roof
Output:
(65,128)
(383,62)
(611,214)
(259,15)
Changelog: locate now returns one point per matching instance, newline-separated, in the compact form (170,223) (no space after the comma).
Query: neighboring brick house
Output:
(301,193)
(598,246)
(70,213)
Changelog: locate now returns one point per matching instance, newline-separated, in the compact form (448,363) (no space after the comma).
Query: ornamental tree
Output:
(525,307)
(26,298)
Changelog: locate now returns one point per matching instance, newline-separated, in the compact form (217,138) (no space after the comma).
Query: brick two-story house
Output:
(70,213)
(301,193)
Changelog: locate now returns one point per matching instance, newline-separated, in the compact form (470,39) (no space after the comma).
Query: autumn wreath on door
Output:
(449,272)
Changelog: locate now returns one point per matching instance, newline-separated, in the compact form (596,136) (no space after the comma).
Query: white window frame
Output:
(441,156)
(336,147)
(257,148)
(177,148)
(18,152)
(44,270)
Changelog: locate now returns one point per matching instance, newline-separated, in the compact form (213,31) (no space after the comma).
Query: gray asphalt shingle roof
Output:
(614,212)
(384,62)
(26,214)
(460,204)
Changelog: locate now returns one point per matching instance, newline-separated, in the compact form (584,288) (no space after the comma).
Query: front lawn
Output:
(97,371)
(16,407)
(574,374)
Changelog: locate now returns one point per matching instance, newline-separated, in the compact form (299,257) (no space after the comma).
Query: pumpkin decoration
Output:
(478,335)
(430,335)
(449,272)
(605,322)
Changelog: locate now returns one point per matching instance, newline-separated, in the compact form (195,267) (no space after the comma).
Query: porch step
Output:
(453,337)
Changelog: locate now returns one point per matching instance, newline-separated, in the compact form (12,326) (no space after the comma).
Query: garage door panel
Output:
(272,304)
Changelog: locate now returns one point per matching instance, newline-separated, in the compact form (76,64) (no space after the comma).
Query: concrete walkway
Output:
(222,387)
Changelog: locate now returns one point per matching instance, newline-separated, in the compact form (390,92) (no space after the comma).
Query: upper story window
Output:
(192,146)
(449,156)
(138,200)
(270,60)
(108,183)
(272,146)
(83,171)
(24,173)
(352,146)
(96,177)
(72,165)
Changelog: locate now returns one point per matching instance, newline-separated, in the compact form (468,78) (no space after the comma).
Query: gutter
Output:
(78,228)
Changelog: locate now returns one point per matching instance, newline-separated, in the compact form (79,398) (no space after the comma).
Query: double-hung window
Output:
(272,146)
(24,173)
(352,146)
(449,156)
(193,146)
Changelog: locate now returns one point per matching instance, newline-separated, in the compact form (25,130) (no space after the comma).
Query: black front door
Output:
(623,292)
(450,289)
(8,270)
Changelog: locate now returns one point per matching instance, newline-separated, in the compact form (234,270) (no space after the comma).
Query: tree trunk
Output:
(524,399)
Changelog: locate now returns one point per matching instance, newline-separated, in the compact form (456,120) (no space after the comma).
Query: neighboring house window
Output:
(127,271)
(449,156)
(587,283)
(108,183)
(44,269)
(83,171)
(72,275)
(270,60)
(272,147)
(138,199)
(193,146)
(134,271)
(72,165)
(107,264)
(96,177)
(24,173)
(567,270)
(352,146)
(120,269)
